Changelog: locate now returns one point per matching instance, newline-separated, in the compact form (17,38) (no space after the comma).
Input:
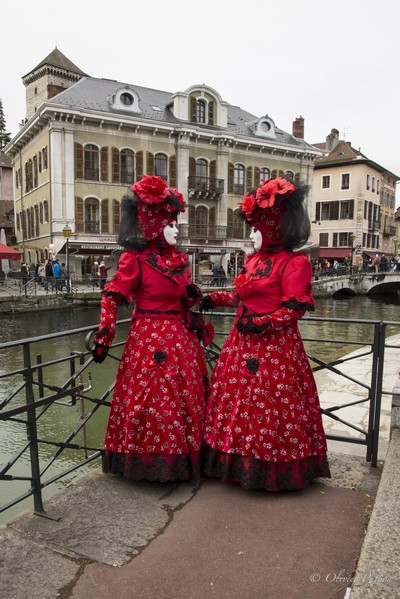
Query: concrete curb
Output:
(378,568)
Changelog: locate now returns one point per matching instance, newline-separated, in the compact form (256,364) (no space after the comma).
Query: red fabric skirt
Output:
(157,414)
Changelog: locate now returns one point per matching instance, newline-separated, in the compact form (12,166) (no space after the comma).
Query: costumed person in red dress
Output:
(263,423)
(157,414)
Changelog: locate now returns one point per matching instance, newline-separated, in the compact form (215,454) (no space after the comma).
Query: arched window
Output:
(91,163)
(127,166)
(201,167)
(92,219)
(160,166)
(265,174)
(238,179)
(200,111)
(46,211)
(289,175)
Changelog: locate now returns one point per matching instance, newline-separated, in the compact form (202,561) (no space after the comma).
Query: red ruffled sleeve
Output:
(297,292)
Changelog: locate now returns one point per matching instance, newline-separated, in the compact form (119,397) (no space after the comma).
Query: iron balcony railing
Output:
(205,184)
(36,390)
(202,232)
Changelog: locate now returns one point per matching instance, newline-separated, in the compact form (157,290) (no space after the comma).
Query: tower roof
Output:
(59,60)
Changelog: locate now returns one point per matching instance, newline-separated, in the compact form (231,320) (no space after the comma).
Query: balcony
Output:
(373,225)
(389,230)
(208,188)
(202,233)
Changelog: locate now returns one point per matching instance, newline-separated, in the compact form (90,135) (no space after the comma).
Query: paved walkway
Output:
(146,541)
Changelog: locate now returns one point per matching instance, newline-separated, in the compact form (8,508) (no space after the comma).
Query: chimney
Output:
(332,140)
(298,128)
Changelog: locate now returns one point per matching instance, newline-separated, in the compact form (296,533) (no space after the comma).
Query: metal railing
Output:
(35,389)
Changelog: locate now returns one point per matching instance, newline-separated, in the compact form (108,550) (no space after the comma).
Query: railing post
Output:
(32,433)
(378,360)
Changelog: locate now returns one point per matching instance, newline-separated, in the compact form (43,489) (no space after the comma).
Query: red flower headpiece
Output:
(158,205)
(266,195)
(264,208)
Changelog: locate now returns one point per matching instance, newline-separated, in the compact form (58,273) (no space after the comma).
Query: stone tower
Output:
(50,77)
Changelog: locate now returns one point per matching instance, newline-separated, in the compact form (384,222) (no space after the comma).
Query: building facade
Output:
(353,207)
(87,140)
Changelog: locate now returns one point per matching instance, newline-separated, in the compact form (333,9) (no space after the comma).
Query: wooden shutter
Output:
(192,166)
(139,165)
(78,161)
(211,113)
(351,209)
(116,216)
(249,178)
(172,171)
(211,217)
(105,223)
(104,163)
(115,165)
(150,163)
(193,111)
(257,176)
(79,215)
(231,169)
(334,210)
(318,211)
(213,169)
(274,174)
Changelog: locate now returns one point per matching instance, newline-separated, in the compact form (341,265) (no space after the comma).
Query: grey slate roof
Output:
(93,94)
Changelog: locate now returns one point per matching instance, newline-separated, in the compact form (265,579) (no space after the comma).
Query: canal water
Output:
(58,422)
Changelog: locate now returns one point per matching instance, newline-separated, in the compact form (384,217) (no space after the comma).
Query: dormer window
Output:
(200,111)
(125,99)
(263,127)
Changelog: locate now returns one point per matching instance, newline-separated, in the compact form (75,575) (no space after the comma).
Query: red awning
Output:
(340,253)
(7,253)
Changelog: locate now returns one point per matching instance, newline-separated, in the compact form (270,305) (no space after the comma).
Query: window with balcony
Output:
(201,167)
(92,216)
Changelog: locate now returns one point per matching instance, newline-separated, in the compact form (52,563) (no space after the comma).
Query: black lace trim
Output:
(263,272)
(117,295)
(139,311)
(153,261)
(295,305)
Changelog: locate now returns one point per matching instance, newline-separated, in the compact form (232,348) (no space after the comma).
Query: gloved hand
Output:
(100,352)
(193,292)
(206,303)
(246,324)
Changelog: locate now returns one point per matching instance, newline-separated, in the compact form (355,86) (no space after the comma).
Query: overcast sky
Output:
(334,63)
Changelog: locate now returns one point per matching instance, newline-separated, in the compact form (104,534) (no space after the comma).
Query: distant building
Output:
(353,204)
(6,196)
(87,140)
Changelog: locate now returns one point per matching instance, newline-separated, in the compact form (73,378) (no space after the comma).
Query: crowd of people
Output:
(363,263)
(258,421)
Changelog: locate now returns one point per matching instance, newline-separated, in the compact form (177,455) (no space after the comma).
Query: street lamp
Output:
(67,232)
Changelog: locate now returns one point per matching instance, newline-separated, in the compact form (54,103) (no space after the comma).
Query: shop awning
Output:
(85,249)
(318,252)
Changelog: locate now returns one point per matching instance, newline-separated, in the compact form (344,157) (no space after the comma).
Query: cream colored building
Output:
(353,204)
(87,140)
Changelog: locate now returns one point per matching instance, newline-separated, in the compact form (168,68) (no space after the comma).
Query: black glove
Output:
(99,353)
(207,303)
(245,324)
(193,292)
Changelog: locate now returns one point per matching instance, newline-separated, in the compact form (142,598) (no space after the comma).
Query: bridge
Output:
(362,283)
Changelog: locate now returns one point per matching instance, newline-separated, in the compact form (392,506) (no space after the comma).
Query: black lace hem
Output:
(252,473)
(155,468)
(121,299)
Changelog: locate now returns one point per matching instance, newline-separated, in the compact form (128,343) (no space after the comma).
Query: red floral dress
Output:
(263,423)
(157,414)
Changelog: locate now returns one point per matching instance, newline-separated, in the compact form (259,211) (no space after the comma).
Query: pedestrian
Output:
(103,270)
(24,277)
(49,275)
(95,274)
(215,276)
(157,414)
(263,424)
(56,274)
(64,277)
